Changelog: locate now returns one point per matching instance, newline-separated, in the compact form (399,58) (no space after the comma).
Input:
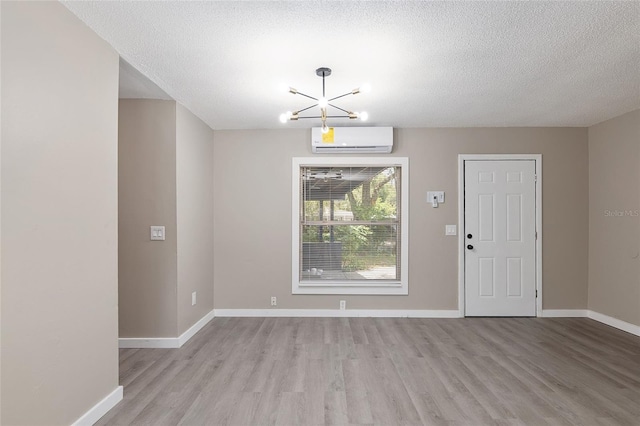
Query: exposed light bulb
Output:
(365,88)
(286,116)
(325,129)
(322,102)
(364,116)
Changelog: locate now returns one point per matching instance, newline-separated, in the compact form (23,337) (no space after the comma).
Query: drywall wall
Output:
(252,215)
(147,196)
(0,220)
(165,178)
(194,213)
(59,215)
(614,217)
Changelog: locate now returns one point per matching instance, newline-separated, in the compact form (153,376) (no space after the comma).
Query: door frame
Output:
(538,203)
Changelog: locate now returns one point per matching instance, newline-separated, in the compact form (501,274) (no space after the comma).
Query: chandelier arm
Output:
(307,96)
(309,107)
(328,116)
(337,107)
(341,96)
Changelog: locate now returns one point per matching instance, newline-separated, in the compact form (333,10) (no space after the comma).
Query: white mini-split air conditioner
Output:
(352,140)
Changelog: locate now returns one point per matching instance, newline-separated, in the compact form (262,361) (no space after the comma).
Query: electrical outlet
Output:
(193,298)
(274,301)
(343,305)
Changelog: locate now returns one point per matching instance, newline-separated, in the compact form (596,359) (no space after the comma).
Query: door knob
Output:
(469,236)
(470,247)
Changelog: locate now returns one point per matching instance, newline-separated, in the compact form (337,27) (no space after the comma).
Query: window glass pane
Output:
(350,193)
(350,223)
(350,236)
(349,252)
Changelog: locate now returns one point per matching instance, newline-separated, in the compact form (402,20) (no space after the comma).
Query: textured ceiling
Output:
(430,64)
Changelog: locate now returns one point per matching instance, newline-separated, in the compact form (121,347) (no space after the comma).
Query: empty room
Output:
(319,213)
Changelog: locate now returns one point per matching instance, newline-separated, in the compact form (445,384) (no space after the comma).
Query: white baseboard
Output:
(148,342)
(165,342)
(614,322)
(564,313)
(177,342)
(184,337)
(373,313)
(100,409)
(597,316)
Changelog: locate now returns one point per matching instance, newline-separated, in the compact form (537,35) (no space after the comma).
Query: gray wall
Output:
(147,196)
(165,178)
(194,185)
(614,240)
(252,215)
(59,215)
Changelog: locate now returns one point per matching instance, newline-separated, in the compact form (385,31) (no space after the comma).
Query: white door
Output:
(499,238)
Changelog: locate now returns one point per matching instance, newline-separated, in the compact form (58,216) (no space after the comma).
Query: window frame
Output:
(364,287)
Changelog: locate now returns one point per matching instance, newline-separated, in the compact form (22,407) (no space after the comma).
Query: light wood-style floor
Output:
(386,371)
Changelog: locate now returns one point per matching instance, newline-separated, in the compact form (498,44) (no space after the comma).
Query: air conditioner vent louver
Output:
(352,140)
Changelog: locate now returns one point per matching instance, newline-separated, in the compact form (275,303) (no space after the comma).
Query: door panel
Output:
(486,277)
(485,217)
(500,255)
(514,277)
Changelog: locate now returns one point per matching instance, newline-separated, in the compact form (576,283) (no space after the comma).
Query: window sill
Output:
(399,288)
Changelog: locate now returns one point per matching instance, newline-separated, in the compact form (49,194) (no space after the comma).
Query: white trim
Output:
(614,322)
(461,252)
(564,313)
(400,287)
(100,409)
(461,236)
(538,159)
(165,342)
(394,288)
(184,337)
(596,316)
(148,342)
(347,313)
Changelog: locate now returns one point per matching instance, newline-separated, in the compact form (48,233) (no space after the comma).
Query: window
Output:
(350,225)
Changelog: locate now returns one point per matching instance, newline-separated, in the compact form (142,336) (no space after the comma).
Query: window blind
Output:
(350,223)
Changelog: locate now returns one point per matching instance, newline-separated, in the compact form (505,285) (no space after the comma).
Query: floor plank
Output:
(386,371)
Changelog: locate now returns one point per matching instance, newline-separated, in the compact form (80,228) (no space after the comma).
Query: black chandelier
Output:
(323,103)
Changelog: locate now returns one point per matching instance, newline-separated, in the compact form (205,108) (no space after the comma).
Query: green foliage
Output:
(376,200)
(353,239)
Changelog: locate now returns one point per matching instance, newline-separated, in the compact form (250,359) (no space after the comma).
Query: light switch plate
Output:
(451,230)
(157,233)
(438,194)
